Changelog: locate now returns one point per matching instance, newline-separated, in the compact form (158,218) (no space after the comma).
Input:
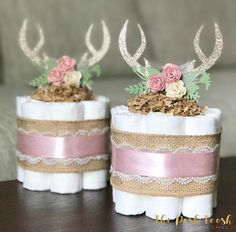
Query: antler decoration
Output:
(33,54)
(173,80)
(132,60)
(208,62)
(97,55)
(65,70)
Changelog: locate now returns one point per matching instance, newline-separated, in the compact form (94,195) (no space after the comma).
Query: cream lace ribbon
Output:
(63,165)
(176,187)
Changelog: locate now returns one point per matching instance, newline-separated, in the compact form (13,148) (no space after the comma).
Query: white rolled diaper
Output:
(63,183)
(129,203)
(202,124)
(66,182)
(167,207)
(36,181)
(94,180)
(198,206)
(158,123)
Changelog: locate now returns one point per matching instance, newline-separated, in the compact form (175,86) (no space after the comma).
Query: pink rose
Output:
(56,76)
(156,83)
(172,73)
(66,63)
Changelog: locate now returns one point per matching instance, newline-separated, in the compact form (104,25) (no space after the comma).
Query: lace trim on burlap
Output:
(165,143)
(159,186)
(63,165)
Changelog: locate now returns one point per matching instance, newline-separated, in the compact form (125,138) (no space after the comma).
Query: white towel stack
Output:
(159,123)
(62,182)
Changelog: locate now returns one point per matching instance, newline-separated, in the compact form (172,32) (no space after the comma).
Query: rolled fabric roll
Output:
(129,203)
(217,114)
(94,180)
(133,204)
(19,102)
(52,110)
(66,182)
(36,181)
(158,123)
(116,111)
(202,124)
(167,207)
(126,121)
(62,183)
(68,111)
(96,109)
(198,206)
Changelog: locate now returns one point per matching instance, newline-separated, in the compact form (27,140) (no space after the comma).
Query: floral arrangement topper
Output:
(65,70)
(172,80)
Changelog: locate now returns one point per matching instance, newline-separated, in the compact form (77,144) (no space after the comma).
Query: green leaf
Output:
(192,80)
(86,77)
(137,88)
(50,64)
(140,71)
(191,84)
(39,81)
(193,95)
(145,73)
(45,65)
(96,69)
(89,84)
(152,71)
(205,79)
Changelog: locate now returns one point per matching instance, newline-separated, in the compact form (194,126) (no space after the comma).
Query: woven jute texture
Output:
(57,128)
(60,168)
(156,189)
(153,142)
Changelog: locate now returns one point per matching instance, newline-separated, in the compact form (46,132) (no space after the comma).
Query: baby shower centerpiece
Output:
(63,128)
(165,147)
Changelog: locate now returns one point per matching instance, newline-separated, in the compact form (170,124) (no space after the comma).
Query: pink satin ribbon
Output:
(62,147)
(164,164)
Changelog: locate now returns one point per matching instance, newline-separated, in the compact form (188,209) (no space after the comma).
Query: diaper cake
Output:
(165,147)
(63,128)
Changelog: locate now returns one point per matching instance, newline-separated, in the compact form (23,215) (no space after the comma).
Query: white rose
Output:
(73,78)
(175,89)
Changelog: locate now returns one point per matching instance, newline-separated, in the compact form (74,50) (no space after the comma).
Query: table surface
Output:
(23,210)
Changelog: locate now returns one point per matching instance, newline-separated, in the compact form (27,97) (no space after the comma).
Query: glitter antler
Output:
(97,55)
(132,60)
(33,54)
(207,63)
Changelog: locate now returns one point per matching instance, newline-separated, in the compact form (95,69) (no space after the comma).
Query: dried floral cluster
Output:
(64,71)
(151,102)
(64,74)
(171,80)
(172,88)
